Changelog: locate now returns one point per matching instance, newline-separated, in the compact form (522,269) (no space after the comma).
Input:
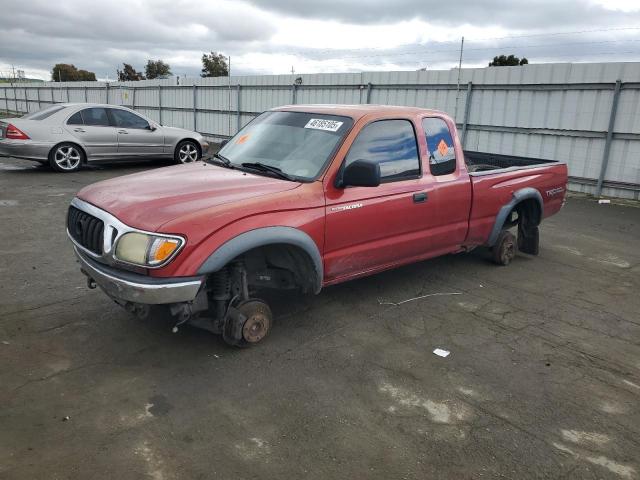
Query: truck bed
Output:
(481,163)
(494,178)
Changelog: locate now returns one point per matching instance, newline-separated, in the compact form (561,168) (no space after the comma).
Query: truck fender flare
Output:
(261,237)
(518,196)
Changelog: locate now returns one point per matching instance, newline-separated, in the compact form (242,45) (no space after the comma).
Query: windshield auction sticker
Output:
(320,124)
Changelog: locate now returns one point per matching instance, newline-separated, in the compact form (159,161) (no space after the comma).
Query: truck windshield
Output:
(298,144)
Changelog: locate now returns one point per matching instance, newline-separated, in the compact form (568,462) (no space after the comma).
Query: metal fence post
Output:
(133,98)
(26,99)
(369,87)
(15,99)
(160,104)
(195,107)
(6,100)
(106,91)
(86,97)
(238,108)
(294,88)
(68,99)
(38,97)
(607,145)
(53,101)
(467,108)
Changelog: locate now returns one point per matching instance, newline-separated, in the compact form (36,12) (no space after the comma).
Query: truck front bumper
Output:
(132,287)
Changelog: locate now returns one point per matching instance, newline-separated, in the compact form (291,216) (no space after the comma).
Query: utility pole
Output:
(229,112)
(455,113)
(293,72)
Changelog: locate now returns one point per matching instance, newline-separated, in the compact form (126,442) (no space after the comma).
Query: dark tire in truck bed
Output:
(485,162)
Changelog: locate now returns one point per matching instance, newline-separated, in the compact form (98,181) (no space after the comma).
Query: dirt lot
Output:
(543,379)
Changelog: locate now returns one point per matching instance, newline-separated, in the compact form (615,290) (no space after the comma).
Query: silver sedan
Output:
(68,135)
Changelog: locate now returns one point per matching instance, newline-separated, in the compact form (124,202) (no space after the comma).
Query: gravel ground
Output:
(543,379)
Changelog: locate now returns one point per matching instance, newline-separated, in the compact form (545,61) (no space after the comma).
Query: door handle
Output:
(123,131)
(420,197)
(79,130)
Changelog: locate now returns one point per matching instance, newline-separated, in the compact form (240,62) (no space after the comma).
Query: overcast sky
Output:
(272,36)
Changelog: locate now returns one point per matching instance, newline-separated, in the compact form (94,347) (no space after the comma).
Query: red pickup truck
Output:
(303,197)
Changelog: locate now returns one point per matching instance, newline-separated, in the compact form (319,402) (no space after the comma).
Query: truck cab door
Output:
(370,228)
(450,183)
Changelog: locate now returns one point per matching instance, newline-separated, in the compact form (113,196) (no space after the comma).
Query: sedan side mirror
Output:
(152,127)
(361,173)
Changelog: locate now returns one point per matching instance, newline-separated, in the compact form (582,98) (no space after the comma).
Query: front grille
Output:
(85,229)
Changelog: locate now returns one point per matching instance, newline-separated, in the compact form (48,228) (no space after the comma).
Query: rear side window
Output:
(125,119)
(95,117)
(44,113)
(390,143)
(442,155)
(75,119)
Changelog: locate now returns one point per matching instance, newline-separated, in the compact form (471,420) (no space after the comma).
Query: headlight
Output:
(147,250)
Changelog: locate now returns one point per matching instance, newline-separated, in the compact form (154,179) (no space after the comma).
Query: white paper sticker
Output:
(441,353)
(320,124)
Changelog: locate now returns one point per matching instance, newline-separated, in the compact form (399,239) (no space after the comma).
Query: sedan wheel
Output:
(187,152)
(66,158)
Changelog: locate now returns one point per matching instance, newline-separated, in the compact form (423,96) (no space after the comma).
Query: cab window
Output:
(442,155)
(390,143)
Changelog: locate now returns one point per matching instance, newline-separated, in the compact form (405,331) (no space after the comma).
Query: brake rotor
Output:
(258,320)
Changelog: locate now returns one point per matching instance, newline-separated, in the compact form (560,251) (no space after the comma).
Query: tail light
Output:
(15,133)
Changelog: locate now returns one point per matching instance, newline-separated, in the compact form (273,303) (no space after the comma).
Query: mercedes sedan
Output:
(68,135)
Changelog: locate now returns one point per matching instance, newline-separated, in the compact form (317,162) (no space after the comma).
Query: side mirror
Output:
(152,127)
(223,143)
(361,173)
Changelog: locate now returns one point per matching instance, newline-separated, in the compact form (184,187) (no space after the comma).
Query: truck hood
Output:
(147,200)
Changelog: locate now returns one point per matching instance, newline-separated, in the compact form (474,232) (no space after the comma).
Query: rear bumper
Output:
(27,149)
(132,287)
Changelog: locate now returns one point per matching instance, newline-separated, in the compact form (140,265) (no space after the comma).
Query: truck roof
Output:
(353,111)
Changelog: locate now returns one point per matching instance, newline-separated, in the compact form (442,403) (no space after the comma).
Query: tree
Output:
(214,65)
(85,76)
(510,61)
(64,72)
(128,73)
(156,68)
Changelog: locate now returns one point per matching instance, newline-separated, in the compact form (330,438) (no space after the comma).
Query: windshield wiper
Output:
(220,160)
(263,167)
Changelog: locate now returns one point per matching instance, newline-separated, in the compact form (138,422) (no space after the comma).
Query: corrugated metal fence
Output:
(587,115)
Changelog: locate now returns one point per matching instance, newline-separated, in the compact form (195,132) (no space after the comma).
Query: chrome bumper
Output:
(131,287)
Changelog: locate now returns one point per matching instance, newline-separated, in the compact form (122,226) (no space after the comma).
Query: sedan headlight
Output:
(147,250)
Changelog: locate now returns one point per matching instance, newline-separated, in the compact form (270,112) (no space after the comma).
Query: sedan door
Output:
(136,136)
(93,130)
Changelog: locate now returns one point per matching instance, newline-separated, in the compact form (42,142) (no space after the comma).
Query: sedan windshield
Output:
(297,144)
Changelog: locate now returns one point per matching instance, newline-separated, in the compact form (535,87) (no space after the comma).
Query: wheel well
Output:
(279,265)
(84,153)
(197,143)
(527,211)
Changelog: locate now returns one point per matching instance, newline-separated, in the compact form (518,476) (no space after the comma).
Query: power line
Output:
(338,62)
(418,52)
(468,39)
